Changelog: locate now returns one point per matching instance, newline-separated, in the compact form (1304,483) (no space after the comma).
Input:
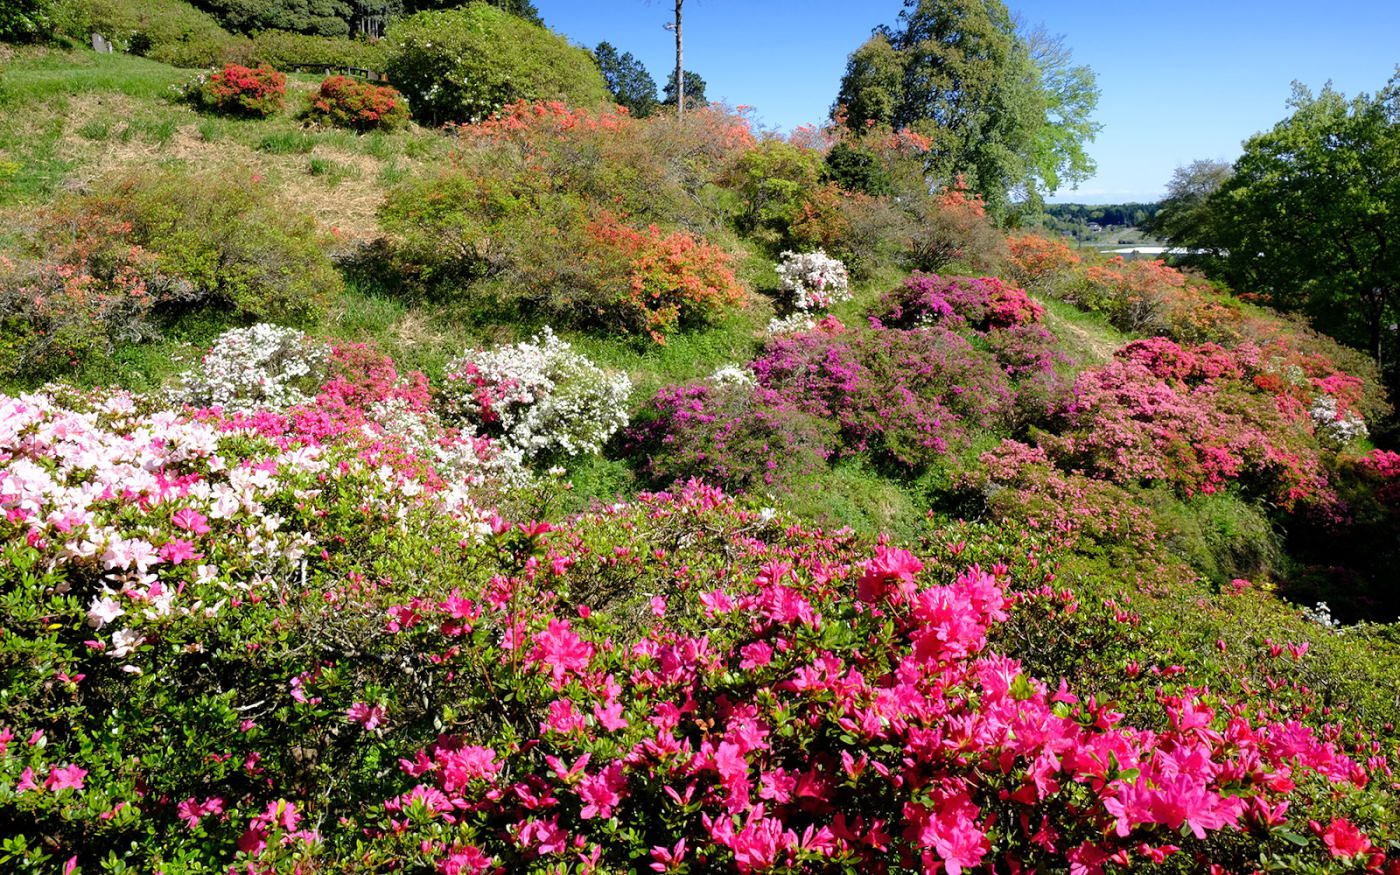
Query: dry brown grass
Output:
(343,202)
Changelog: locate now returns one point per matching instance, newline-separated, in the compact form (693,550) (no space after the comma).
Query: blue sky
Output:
(1180,81)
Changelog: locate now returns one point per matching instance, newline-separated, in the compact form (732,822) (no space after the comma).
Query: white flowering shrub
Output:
(733,375)
(265,367)
(813,280)
(1333,428)
(540,397)
(790,324)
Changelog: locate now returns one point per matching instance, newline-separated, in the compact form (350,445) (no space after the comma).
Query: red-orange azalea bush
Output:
(344,102)
(238,90)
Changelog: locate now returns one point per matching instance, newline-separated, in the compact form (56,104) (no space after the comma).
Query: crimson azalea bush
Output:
(238,90)
(344,102)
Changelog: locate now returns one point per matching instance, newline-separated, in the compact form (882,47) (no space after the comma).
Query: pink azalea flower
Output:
(559,647)
(610,717)
(191,521)
(368,716)
(65,778)
(602,792)
(1342,838)
(176,551)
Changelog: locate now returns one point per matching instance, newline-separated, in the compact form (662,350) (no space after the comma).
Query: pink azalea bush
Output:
(472,696)
(1199,418)
(980,302)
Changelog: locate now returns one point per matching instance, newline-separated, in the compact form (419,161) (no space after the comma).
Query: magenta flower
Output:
(65,778)
(369,716)
(191,521)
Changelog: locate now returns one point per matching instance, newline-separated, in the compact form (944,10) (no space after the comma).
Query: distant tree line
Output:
(1106,215)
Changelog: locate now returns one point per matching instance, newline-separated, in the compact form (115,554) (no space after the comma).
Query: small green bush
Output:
(461,65)
(773,180)
(225,234)
(23,21)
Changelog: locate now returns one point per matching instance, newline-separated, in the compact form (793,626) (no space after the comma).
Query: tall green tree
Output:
(1070,94)
(1311,216)
(1187,217)
(628,80)
(1009,115)
(694,91)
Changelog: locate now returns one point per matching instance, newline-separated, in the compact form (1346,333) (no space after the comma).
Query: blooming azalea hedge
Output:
(236,644)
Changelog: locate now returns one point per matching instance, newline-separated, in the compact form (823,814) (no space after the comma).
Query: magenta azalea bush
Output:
(981,303)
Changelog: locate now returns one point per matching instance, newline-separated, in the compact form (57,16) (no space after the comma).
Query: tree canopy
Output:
(627,79)
(1008,113)
(694,91)
(461,65)
(1309,215)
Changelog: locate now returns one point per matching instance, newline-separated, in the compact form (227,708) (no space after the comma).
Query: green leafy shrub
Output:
(227,235)
(551,252)
(285,49)
(772,179)
(23,21)
(343,102)
(461,65)
(168,31)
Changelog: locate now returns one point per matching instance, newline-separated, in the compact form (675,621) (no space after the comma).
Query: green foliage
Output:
(1307,217)
(285,49)
(461,65)
(169,31)
(227,235)
(773,180)
(23,21)
(519,8)
(859,170)
(317,17)
(1187,214)
(694,91)
(627,79)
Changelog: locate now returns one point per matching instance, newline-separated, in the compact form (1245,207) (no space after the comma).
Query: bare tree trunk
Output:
(680,69)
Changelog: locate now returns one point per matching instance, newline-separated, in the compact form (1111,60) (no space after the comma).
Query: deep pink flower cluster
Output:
(739,437)
(1194,418)
(838,714)
(911,394)
(983,303)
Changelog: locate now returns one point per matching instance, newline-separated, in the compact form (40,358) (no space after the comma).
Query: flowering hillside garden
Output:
(573,491)
(276,639)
